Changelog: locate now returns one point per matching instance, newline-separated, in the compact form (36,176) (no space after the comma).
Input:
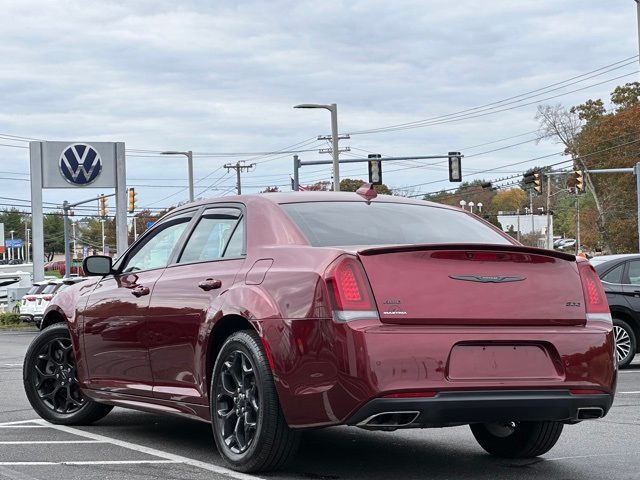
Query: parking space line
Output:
(23,426)
(49,442)
(86,462)
(152,451)
(629,393)
(16,422)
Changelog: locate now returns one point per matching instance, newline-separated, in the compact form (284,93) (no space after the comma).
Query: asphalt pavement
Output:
(129,445)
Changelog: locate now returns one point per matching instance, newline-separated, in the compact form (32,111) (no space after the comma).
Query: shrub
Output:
(9,319)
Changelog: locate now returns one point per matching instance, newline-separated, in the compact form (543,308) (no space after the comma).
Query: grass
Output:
(11,321)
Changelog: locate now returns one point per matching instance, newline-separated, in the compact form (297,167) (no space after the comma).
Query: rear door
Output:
(631,287)
(114,335)
(184,298)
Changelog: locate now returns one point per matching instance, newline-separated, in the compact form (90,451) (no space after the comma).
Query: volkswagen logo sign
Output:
(80,164)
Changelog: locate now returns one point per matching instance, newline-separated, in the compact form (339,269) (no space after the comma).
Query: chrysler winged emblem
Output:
(487,279)
(80,164)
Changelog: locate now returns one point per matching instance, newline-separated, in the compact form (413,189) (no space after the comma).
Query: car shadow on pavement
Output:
(342,452)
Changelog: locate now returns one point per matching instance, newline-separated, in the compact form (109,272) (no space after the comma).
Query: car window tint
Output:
(33,290)
(634,272)
(51,288)
(156,250)
(358,223)
(211,235)
(614,275)
(235,248)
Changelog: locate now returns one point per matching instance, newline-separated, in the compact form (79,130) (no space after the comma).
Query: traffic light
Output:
(533,180)
(455,167)
(375,169)
(579,175)
(104,206)
(132,200)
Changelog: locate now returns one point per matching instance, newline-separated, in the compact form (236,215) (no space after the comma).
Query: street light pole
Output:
(189,155)
(11,251)
(333,108)
(103,244)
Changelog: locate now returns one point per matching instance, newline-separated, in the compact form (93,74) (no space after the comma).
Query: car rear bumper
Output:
(26,317)
(454,408)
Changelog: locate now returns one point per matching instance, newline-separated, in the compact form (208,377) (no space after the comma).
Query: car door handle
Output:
(210,284)
(140,291)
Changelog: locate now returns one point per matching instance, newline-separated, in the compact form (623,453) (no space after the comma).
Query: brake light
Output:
(349,290)
(31,299)
(594,297)
(47,298)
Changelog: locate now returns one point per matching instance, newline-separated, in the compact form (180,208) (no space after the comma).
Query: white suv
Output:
(29,301)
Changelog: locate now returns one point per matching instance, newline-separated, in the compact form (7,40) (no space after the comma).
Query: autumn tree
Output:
(351,185)
(510,200)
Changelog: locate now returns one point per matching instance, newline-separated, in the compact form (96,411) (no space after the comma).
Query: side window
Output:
(614,275)
(634,272)
(235,248)
(156,250)
(211,236)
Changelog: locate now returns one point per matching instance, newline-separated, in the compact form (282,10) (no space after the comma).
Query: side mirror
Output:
(97,265)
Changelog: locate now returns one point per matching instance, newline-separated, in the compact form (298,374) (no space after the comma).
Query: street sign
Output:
(80,164)
(17,243)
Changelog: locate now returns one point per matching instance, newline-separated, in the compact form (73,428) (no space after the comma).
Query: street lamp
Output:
(333,108)
(471,205)
(480,205)
(189,156)
(462,204)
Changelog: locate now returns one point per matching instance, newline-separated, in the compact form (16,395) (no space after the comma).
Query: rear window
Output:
(51,288)
(356,223)
(36,289)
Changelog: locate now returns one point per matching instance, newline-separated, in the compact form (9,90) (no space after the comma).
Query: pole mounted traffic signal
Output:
(133,199)
(579,176)
(375,169)
(455,167)
(537,183)
(104,206)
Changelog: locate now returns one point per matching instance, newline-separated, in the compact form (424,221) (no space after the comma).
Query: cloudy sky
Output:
(221,77)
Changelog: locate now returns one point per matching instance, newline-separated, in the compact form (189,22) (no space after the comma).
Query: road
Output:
(131,445)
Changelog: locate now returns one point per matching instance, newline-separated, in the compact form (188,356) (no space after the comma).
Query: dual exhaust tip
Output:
(393,420)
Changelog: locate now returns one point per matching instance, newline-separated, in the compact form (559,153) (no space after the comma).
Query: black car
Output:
(620,275)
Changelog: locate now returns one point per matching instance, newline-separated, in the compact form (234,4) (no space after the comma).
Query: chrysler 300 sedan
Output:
(269,314)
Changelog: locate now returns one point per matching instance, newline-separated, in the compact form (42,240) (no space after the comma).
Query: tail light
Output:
(350,291)
(595,298)
(31,299)
(47,298)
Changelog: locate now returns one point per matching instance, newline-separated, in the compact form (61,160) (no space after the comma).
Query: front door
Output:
(114,335)
(184,296)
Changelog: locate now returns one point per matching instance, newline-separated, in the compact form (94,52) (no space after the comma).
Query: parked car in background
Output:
(30,300)
(50,290)
(264,315)
(620,275)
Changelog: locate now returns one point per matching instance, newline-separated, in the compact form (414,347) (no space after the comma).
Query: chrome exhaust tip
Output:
(590,413)
(389,420)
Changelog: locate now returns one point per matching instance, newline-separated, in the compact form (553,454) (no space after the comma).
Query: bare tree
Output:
(562,125)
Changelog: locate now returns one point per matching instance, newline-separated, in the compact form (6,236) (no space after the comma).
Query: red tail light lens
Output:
(594,297)
(31,299)
(350,291)
(47,298)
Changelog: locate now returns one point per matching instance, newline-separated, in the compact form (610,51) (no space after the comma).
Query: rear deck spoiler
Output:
(467,246)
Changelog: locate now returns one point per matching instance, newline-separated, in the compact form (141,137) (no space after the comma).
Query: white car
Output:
(30,300)
(45,297)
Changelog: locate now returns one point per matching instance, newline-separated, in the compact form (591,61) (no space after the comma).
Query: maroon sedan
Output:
(270,314)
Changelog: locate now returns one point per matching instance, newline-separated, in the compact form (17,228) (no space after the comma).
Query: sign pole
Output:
(121,200)
(37,221)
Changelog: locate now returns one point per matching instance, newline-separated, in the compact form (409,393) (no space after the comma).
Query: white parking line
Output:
(152,451)
(96,462)
(16,422)
(23,426)
(49,442)
(629,393)
(12,365)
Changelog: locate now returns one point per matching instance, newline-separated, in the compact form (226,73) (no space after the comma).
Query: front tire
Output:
(50,382)
(625,342)
(517,439)
(248,424)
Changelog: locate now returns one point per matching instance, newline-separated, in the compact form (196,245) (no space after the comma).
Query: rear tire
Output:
(626,343)
(517,439)
(50,382)
(249,427)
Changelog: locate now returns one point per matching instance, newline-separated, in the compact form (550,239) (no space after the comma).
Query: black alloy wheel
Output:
(237,402)
(51,383)
(249,428)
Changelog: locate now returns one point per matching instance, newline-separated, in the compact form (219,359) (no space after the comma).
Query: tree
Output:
(91,233)
(273,189)
(13,220)
(351,185)
(510,200)
(319,186)
(53,227)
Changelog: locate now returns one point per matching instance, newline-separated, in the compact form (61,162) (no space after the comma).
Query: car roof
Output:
(606,259)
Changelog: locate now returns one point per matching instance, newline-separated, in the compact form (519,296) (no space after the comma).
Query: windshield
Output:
(357,223)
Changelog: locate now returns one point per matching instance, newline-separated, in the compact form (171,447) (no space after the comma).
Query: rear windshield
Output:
(35,289)
(356,223)
(52,287)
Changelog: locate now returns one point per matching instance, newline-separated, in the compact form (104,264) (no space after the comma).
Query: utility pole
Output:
(238,167)
(67,252)
(638,16)
(73,235)
(549,234)
(577,224)
(518,232)
(533,228)
(103,244)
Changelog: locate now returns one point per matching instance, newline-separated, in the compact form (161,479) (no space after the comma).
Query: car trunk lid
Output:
(473,284)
